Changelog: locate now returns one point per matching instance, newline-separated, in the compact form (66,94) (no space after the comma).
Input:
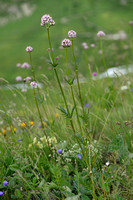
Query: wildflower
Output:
(28,78)
(31,123)
(34,140)
(84,44)
(79,156)
(33,84)
(87,105)
(14,129)
(57,58)
(23,124)
(24,90)
(19,140)
(124,87)
(9,129)
(107,163)
(47,19)
(57,115)
(18,78)
(131,23)
(5,183)
(66,43)
(1,193)
(92,45)
(100,34)
(45,124)
(59,151)
(94,73)
(71,34)
(40,145)
(4,131)
(25,65)
(18,65)
(29,49)
(30,145)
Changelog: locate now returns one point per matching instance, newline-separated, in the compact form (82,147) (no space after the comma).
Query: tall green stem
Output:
(101,46)
(77,77)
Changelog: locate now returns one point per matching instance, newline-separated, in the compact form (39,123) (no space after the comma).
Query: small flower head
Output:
(24,90)
(131,23)
(107,163)
(100,34)
(18,78)
(66,43)
(85,46)
(25,65)
(5,183)
(18,65)
(86,105)
(47,19)
(92,45)
(71,34)
(1,193)
(4,131)
(94,73)
(79,156)
(29,49)
(33,84)
(57,58)
(19,140)
(31,123)
(57,115)
(23,124)
(59,151)
(28,78)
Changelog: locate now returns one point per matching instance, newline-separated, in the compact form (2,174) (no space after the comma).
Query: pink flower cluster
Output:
(18,78)
(66,43)
(33,84)
(47,19)
(29,49)
(25,65)
(131,23)
(71,34)
(100,34)
(18,65)
(84,44)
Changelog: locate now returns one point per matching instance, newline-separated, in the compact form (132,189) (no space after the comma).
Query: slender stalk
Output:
(39,113)
(77,77)
(104,62)
(67,66)
(52,56)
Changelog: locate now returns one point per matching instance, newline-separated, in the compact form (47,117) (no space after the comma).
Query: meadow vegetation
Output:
(67,134)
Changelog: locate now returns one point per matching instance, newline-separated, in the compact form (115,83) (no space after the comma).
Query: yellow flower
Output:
(57,115)
(23,124)
(31,123)
(30,145)
(9,129)
(14,129)
(4,131)
(40,145)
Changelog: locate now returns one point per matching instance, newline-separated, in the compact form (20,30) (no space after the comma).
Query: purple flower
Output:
(84,44)
(71,34)
(59,151)
(94,73)
(131,23)
(18,65)
(29,49)
(18,78)
(66,43)
(79,156)
(28,78)
(57,58)
(19,140)
(5,183)
(47,19)
(87,105)
(25,65)
(92,45)
(1,193)
(100,34)
(33,84)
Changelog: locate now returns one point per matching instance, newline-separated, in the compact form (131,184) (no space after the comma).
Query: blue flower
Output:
(79,156)
(87,105)
(1,193)
(59,151)
(5,183)
(19,140)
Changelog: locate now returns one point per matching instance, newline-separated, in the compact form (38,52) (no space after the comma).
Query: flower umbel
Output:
(71,34)
(100,34)
(47,19)
(66,43)
(29,49)
(33,84)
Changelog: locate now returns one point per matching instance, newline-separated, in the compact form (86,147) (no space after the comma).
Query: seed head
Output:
(66,43)
(71,34)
